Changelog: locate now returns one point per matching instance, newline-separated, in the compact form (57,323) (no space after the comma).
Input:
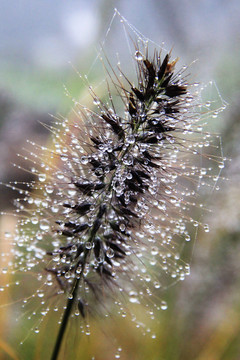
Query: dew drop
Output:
(40,294)
(157,285)
(44,225)
(147,278)
(54,209)
(42,177)
(49,189)
(67,275)
(134,300)
(154,250)
(110,253)
(203,171)
(34,220)
(187,238)
(60,176)
(64,157)
(138,56)
(122,227)
(72,192)
(96,101)
(84,160)
(164,305)
(88,245)
(206,227)
(130,139)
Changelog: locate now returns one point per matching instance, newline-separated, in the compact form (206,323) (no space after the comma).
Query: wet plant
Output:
(102,228)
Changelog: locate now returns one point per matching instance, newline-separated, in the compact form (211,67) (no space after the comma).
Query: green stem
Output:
(65,319)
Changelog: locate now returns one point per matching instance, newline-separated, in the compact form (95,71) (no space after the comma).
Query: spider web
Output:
(121,45)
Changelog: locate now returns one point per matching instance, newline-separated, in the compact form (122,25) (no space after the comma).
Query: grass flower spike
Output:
(103,227)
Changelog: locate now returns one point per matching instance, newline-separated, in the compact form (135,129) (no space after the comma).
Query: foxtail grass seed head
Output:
(115,197)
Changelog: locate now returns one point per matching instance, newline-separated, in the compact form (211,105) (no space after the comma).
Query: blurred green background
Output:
(37,41)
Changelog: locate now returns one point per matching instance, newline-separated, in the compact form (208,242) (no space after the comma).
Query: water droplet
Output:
(44,225)
(206,227)
(64,157)
(154,250)
(40,294)
(147,278)
(122,227)
(49,189)
(203,171)
(54,209)
(157,285)
(134,300)
(56,258)
(42,177)
(34,220)
(130,139)
(110,253)
(138,56)
(60,176)
(164,305)
(72,192)
(84,160)
(187,238)
(96,101)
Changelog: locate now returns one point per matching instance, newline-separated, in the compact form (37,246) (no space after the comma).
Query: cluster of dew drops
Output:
(44,226)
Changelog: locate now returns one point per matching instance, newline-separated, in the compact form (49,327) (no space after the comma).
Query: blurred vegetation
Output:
(202,321)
